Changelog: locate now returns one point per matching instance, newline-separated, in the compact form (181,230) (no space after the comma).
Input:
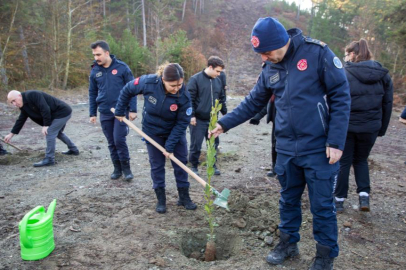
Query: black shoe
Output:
(161,204)
(117,173)
(125,166)
(71,153)
(184,199)
(44,162)
(216,171)
(195,170)
(3,152)
(364,203)
(271,173)
(339,206)
(283,250)
(322,261)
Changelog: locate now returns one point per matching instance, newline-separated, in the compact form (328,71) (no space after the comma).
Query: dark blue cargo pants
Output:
(294,172)
(158,160)
(115,132)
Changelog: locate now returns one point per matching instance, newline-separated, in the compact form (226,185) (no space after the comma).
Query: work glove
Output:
(254,121)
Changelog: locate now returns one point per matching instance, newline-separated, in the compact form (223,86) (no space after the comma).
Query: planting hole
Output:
(193,244)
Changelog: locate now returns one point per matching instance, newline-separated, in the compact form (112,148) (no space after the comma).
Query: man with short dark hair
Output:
(312,99)
(204,88)
(47,111)
(108,76)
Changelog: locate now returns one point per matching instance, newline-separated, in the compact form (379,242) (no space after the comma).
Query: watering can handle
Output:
(23,233)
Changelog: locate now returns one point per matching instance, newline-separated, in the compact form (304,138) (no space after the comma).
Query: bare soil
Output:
(111,224)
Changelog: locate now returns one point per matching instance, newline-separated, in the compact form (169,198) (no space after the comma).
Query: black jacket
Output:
(41,108)
(371,97)
(204,90)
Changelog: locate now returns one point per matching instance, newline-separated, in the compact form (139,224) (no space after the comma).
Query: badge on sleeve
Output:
(337,62)
(173,107)
(274,78)
(302,65)
(136,81)
(114,71)
(189,111)
(99,74)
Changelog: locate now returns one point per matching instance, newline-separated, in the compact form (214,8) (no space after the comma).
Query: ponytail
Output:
(360,49)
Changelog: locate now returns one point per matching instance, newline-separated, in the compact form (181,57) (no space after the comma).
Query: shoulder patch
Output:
(337,62)
(315,41)
(137,81)
(189,111)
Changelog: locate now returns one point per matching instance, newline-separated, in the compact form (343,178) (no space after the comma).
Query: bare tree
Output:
(69,38)
(24,51)
(184,10)
(3,71)
(144,26)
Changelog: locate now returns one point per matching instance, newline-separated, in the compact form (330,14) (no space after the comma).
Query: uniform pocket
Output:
(280,171)
(324,183)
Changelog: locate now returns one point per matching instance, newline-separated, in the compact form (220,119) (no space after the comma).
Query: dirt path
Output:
(105,224)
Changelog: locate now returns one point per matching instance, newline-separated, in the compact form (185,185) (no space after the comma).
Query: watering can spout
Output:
(51,208)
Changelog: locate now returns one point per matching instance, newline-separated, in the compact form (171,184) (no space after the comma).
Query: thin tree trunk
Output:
(55,45)
(3,71)
(396,60)
(24,51)
(196,7)
(298,13)
(128,16)
(144,26)
(184,10)
(68,45)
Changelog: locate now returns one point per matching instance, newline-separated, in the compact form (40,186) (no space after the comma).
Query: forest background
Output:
(44,44)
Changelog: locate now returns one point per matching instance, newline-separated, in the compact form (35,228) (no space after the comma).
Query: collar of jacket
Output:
(296,39)
(207,76)
(25,100)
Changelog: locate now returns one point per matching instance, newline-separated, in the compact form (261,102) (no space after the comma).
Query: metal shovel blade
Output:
(221,198)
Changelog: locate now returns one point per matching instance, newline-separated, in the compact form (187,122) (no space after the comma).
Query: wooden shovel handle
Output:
(172,157)
(11,144)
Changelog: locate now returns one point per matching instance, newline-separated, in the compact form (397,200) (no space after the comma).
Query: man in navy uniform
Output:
(312,100)
(108,76)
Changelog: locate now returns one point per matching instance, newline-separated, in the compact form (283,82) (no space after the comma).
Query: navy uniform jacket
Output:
(165,115)
(312,98)
(105,85)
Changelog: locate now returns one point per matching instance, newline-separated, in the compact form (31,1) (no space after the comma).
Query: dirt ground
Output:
(105,224)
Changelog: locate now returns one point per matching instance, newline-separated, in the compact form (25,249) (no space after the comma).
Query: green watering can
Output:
(36,233)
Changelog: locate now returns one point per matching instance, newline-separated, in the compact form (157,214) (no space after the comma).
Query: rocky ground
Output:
(104,224)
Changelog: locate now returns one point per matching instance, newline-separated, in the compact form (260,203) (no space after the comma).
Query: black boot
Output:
(125,165)
(184,199)
(364,203)
(117,170)
(161,196)
(322,260)
(283,250)
(45,162)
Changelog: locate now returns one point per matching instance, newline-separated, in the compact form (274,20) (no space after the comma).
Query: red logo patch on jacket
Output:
(302,64)
(136,81)
(114,71)
(173,107)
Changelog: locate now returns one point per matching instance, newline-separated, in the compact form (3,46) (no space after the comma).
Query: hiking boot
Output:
(283,250)
(339,206)
(322,261)
(117,173)
(125,166)
(364,203)
(71,153)
(216,171)
(195,170)
(45,162)
(271,173)
(3,152)
(184,199)
(161,204)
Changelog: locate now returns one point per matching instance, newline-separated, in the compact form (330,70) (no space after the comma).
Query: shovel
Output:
(11,144)
(221,197)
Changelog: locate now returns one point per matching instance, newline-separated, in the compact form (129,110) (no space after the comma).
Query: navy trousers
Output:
(197,134)
(115,132)
(356,152)
(294,172)
(158,160)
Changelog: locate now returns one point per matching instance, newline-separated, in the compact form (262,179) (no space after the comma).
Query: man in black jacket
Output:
(204,88)
(47,111)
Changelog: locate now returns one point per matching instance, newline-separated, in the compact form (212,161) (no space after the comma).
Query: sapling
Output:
(210,252)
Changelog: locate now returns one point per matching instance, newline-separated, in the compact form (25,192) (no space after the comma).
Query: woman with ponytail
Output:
(371,107)
(166,115)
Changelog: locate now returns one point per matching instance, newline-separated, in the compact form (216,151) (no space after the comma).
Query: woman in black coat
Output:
(371,107)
